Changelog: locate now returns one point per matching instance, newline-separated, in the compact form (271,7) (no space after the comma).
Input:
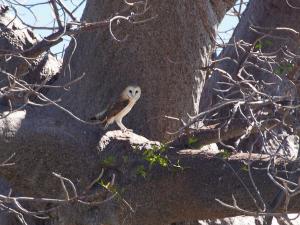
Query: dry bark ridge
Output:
(46,140)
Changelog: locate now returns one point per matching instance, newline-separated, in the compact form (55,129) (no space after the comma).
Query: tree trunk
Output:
(162,56)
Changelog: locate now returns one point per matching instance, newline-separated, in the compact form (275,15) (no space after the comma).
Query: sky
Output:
(44,17)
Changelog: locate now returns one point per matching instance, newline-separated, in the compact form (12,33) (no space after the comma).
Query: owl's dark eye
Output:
(130,91)
(136,91)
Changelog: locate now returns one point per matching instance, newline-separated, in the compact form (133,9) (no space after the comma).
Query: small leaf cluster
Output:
(141,171)
(262,44)
(193,142)
(108,161)
(224,154)
(284,68)
(154,156)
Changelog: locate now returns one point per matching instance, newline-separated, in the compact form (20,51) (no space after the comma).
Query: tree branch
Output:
(192,181)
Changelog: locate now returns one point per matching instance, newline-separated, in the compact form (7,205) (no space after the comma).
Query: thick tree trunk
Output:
(162,56)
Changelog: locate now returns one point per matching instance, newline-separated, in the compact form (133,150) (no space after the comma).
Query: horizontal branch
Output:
(188,187)
(201,137)
(185,188)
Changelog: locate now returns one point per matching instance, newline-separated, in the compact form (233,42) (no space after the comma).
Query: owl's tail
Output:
(99,118)
(102,118)
(103,121)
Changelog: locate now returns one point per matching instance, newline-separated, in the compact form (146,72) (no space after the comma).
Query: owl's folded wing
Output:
(112,110)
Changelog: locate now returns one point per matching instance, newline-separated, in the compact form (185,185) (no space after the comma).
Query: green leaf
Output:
(258,46)
(225,154)
(192,141)
(141,171)
(109,161)
(163,148)
(284,68)
(264,43)
(245,168)
(163,162)
(153,156)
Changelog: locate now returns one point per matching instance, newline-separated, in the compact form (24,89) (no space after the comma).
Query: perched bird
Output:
(120,108)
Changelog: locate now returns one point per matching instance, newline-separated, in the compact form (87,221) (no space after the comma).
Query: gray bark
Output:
(162,56)
(46,140)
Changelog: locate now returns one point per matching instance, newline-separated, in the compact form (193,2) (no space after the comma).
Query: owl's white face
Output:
(132,93)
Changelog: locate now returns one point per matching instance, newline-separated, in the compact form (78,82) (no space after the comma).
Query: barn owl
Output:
(120,108)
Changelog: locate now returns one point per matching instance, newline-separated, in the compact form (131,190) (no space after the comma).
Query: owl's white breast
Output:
(125,111)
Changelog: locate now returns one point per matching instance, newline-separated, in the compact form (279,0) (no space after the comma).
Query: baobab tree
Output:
(245,101)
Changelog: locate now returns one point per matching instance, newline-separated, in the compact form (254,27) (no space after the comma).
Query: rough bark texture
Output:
(162,56)
(46,140)
(171,194)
